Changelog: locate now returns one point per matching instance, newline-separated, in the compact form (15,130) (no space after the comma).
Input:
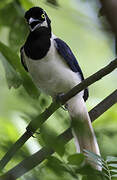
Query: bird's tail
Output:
(82,128)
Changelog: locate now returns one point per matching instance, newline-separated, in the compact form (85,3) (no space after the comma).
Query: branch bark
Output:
(103,106)
(34,160)
(40,119)
(90,80)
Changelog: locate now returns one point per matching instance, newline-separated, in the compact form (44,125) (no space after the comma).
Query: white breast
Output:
(52,74)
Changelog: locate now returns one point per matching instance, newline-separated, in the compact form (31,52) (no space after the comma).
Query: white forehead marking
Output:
(32,20)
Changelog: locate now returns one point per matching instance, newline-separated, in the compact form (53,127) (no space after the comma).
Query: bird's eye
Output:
(43,16)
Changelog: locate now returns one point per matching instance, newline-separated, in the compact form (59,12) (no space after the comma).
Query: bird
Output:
(55,70)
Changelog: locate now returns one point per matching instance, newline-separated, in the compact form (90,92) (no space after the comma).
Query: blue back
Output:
(64,50)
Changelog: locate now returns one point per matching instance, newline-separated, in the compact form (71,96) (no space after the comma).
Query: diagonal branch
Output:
(35,159)
(40,119)
(103,106)
(90,80)
(34,124)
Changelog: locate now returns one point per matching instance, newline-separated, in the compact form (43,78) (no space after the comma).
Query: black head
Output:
(36,17)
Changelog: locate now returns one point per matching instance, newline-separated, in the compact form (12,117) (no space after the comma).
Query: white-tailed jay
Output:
(54,69)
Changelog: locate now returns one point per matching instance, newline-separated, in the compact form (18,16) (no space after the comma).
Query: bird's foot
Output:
(31,133)
(58,99)
(64,108)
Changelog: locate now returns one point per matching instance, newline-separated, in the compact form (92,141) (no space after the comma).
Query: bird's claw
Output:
(37,133)
(64,107)
(32,133)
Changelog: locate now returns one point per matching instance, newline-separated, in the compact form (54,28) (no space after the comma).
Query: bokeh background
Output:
(78,23)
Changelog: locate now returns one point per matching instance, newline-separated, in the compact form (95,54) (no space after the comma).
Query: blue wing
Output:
(64,50)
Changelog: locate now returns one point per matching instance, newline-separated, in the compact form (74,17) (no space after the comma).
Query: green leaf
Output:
(3,3)
(57,165)
(93,156)
(26,4)
(18,34)
(13,78)
(14,61)
(113,171)
(87,169)
(105,168)
(12,12)
(11,57)
(53,2)
(18,30)
(50,139)
(106,175)
(76,159)
(84,177)
(94,161)
(112,165)
(90,177)
(60,167)
(114,176)
(111,159)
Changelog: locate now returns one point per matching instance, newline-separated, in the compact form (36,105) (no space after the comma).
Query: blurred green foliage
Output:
(76,22)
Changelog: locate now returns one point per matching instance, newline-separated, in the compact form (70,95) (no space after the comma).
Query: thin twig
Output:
(40,119)
(35,159)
